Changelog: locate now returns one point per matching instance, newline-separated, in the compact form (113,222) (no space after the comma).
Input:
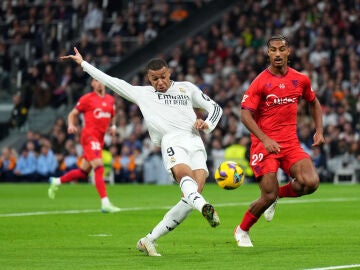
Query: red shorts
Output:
(263,162)
(92,147)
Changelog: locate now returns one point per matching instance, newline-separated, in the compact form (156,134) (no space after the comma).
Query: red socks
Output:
(73,175)
(99,181)
(287,191)
(248,220)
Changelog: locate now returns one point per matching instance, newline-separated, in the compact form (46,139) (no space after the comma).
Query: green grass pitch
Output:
(316,231)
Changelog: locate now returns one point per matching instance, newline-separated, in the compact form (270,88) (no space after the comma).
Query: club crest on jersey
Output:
(272,100)
(182,90)
(295,83)
(172,159)
(98,113)
(267,85)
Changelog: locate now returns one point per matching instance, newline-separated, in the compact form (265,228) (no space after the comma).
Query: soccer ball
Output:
(229,175)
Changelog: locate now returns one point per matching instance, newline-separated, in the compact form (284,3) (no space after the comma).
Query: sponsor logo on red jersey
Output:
(272,100)
(98,113)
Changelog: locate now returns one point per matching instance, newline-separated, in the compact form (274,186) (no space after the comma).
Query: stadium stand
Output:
(217,44)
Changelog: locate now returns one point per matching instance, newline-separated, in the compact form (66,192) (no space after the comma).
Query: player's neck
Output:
(100,94)
(278,71)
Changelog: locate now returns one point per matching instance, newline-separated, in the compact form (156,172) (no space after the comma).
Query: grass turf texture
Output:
(322,229)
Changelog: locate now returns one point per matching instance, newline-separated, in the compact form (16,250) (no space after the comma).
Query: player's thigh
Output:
(304,172)
(97,162)
(92,147)
(85,165)
(181,170)
(262,162)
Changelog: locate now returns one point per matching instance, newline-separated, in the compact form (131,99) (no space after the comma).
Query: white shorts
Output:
(184,149)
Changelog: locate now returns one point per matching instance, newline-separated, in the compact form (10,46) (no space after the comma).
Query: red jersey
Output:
(97,112)
(274,101)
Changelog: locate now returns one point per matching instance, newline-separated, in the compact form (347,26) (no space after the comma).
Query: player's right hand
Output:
(77,57)
(271,146)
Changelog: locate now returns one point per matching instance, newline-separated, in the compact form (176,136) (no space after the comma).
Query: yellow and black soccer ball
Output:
(229,175)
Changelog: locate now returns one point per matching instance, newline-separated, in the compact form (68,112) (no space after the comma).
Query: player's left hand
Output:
(112,130)
(318,139)
(200,124)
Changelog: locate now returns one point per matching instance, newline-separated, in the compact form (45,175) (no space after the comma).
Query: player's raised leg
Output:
(171,220)
(72,175)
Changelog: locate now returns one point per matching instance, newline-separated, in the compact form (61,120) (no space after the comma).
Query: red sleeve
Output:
(308,92)
(252,96)
(82,103)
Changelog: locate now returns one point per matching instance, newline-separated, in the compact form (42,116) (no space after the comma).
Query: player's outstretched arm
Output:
(119,86)
(77,57)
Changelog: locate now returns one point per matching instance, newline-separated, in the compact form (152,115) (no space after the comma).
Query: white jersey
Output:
(166,113)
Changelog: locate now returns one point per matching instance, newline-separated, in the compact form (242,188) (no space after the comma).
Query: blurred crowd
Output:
(222,61)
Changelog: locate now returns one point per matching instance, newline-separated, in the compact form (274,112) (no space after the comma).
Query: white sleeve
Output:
(119,86)
(202,101)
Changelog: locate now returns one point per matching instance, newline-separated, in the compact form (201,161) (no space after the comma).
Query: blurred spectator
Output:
(5,66)
(125,166)
(150,31)
(139,158)
(18,116)
(217,155)
(318,156)
(154,170)
(25,169)
(7,164)
(46,161)
(132,142)
(94,17)
(117,27)
(179,13)
(63,91)
(19,112)
(70,160)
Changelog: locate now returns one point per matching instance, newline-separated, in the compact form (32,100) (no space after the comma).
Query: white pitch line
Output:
(68,212)
(336,267)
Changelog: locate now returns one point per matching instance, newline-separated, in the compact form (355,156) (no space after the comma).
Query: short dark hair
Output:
(156,64)
(278,37)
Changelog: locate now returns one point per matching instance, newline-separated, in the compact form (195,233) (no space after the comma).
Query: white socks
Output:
(105,201)
(171,220)
(57,181)
(189,188)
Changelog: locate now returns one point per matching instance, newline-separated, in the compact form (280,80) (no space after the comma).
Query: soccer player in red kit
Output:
(269,111)
(98,109)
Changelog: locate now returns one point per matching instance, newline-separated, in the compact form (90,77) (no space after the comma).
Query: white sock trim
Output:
(173,218)
(189,188)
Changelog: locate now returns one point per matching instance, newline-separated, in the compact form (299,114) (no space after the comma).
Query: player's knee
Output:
(314,184)
(269,198)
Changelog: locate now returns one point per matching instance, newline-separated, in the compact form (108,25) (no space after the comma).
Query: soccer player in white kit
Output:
(168,110)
